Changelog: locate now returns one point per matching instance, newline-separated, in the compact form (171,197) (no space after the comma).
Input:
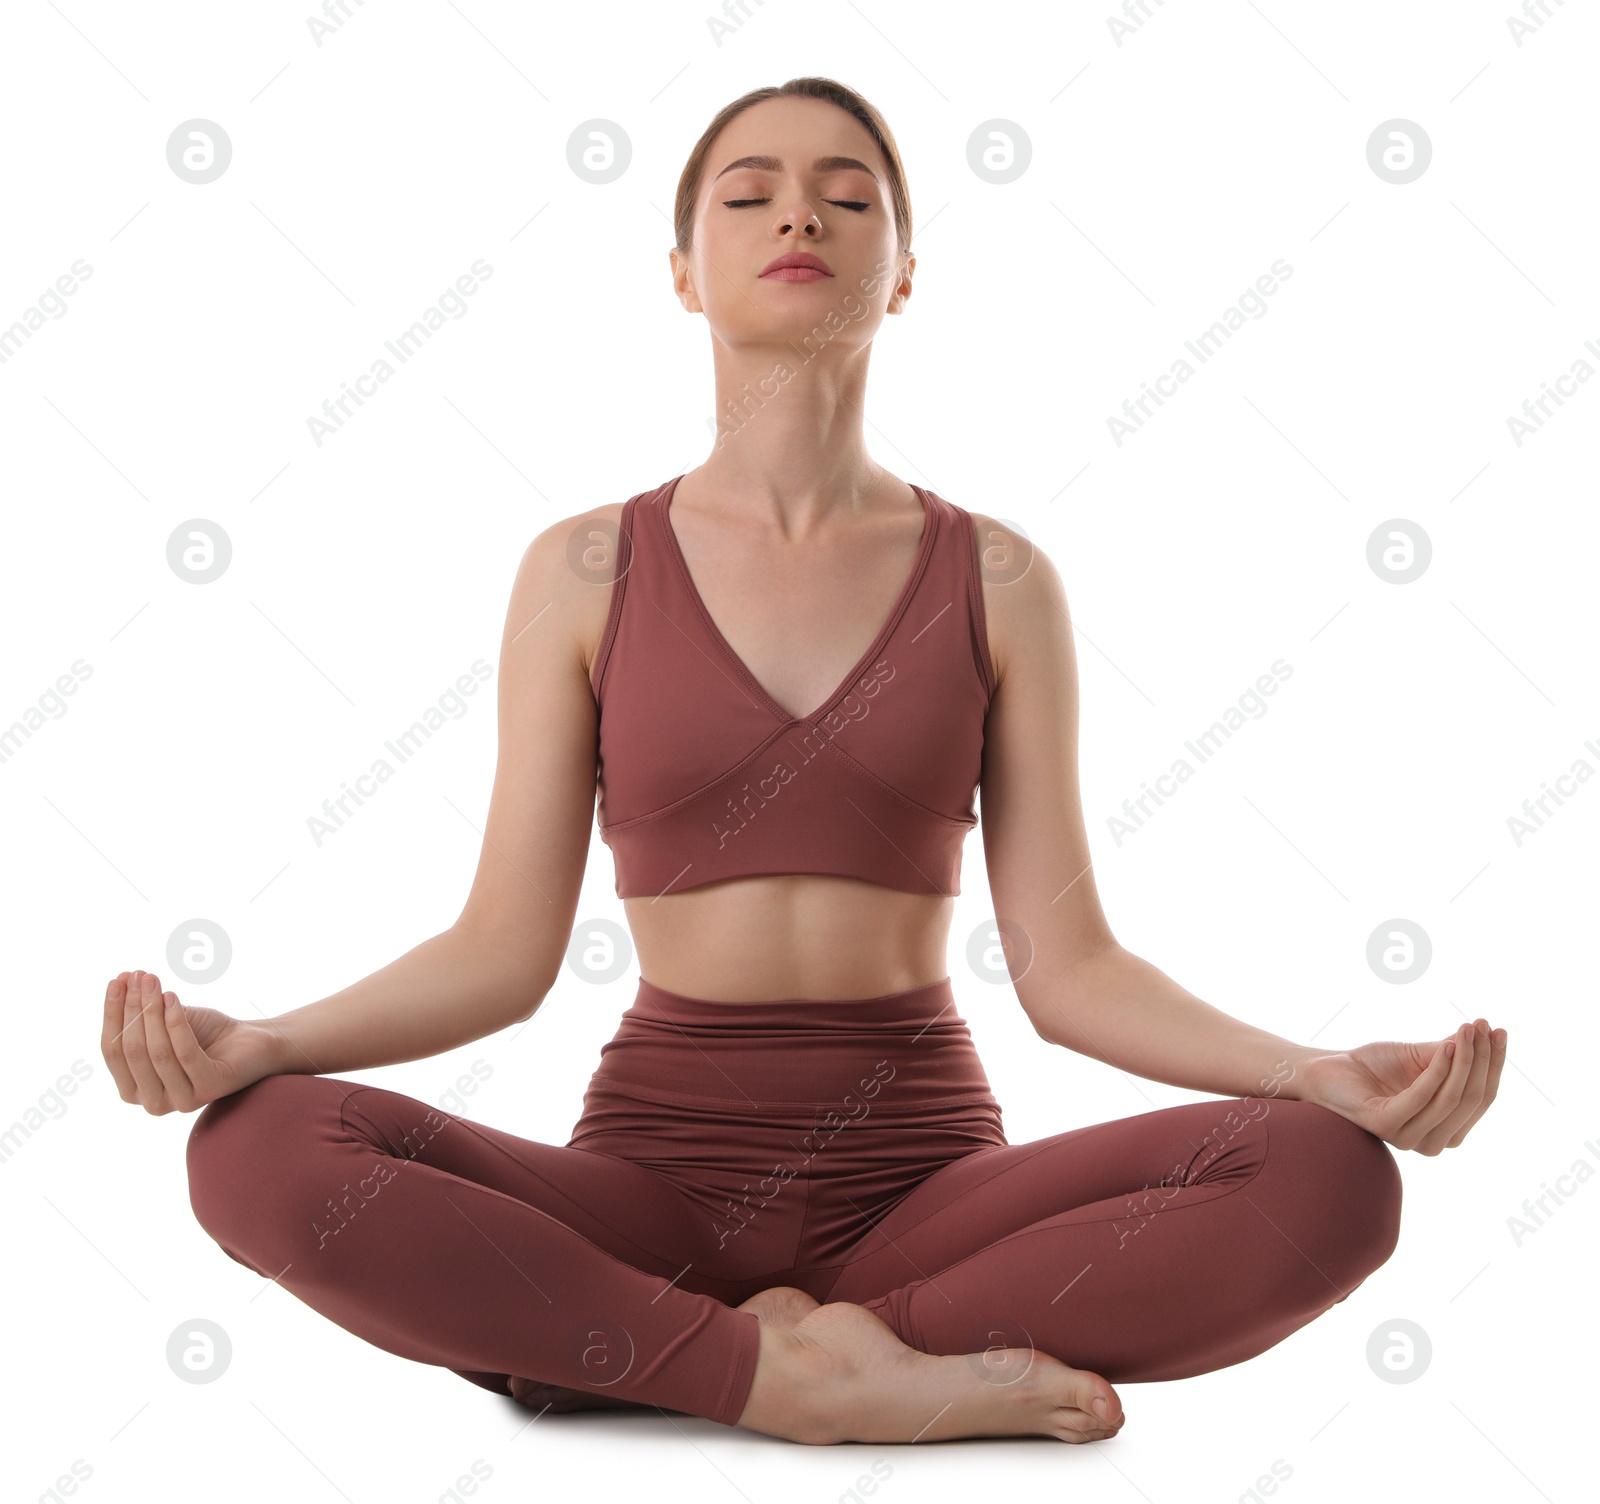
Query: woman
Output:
(789,1203)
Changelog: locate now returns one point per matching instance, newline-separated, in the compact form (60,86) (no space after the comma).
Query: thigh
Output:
(1152,1247)
(465,1246)
(627,1209)
(1114,1171)
(317,1136)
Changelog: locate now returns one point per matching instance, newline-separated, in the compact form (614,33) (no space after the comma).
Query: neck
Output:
(790,430)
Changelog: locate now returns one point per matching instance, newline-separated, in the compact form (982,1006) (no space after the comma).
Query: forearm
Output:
(1118,1008)
(453,988)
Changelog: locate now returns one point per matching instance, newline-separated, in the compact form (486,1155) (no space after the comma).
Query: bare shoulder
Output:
(567,570)
(1024,598)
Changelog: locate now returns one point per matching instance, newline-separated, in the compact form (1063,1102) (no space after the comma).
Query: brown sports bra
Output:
(703,776)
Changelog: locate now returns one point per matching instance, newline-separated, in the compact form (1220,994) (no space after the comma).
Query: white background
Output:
(1167,174)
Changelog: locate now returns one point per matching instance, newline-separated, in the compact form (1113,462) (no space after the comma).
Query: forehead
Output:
(794,135)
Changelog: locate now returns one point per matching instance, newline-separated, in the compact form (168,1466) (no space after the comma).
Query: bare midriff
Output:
(795,935)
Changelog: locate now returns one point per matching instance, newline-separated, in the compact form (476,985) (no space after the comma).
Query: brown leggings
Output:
(851,1148)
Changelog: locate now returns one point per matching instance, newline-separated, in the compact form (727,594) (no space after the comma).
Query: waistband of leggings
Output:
(931,1006)
(902,1047)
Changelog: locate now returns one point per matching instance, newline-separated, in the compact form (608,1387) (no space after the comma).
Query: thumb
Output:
(1433,1061)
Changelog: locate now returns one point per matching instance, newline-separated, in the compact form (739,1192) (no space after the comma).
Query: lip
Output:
(797,266)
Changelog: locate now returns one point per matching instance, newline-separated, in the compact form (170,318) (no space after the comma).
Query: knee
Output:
(1351,1178)
(241,1147)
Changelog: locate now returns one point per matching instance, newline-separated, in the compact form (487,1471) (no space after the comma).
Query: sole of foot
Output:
(841,1374)
(782,1306)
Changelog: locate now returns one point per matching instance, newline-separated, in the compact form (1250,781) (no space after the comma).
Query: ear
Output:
(683,281)
(902,289)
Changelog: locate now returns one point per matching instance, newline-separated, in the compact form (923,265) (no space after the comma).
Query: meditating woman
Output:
(789,1203)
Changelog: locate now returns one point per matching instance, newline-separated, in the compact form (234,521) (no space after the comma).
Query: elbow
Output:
(510,972)
(528,997)
(1046,1017)
(1053,1006)
(524,1013)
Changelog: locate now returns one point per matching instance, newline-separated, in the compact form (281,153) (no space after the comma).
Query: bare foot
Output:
(781,1306)
(841,1374)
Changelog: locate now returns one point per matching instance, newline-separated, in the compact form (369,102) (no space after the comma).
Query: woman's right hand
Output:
(172,1058)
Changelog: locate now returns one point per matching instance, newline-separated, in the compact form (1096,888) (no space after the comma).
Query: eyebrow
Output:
(822,164)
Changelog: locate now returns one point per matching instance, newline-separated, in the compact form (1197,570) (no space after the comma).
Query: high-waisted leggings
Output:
(850,1148)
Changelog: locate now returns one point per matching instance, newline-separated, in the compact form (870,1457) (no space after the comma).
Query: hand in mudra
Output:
(1415,1096)
(171,1058)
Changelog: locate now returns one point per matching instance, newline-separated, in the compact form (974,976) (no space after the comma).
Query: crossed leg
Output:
(1152,1247)
(451,1243)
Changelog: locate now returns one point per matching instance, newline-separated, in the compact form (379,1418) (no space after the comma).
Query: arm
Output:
(1080,988)
(1077,985)
(446,992)
(1116,1007)
(495,964)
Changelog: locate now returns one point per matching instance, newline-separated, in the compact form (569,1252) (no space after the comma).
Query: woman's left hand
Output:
(1414,1096)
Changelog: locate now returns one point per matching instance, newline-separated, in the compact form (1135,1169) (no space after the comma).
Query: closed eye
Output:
(843,203)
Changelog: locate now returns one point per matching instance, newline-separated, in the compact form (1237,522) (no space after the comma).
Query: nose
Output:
(809,224)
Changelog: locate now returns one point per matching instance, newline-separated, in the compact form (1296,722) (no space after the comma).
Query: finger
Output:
(1403,1106)
(111,1038)
(1438,1138)
(174,1079)
(1444,1098)
(198,1066)
(1491,1085)
(1451,1103)
(148,1083)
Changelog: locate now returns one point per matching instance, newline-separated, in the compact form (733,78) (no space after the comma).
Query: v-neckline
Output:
(924,547)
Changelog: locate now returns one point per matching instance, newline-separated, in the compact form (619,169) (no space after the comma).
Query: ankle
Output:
(784,1393)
